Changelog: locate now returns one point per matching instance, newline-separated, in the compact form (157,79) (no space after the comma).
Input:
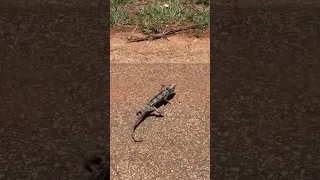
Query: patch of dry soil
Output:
(177,49)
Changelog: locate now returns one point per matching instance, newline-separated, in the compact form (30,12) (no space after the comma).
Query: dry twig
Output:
(165,34)
(129,38)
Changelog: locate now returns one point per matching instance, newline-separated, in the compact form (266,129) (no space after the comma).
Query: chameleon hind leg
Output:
(139,112)
(154,109)
(148,110)
(158,112)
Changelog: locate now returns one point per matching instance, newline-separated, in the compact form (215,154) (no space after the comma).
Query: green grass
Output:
(154,15)
(120,2)
(202,18)
(204,2)
(119,16)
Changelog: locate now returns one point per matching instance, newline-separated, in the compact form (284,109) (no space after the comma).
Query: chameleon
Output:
(160,99)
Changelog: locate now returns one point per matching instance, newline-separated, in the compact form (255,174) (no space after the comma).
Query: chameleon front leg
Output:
(139,112)
(166,100)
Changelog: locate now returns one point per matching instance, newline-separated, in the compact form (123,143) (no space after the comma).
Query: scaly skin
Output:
(160,98)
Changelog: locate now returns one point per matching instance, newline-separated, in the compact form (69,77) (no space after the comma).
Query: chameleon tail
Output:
(134,138)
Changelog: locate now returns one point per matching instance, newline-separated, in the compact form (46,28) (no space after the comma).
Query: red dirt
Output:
(180,48)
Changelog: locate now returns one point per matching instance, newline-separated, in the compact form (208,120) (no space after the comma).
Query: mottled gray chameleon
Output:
(160,99)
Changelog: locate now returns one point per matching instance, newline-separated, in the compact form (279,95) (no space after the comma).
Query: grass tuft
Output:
(118,16)
(155,14)
(152,16)
(120,2)
(202,18)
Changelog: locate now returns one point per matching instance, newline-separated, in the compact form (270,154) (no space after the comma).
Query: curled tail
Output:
(132,135)
(140,119)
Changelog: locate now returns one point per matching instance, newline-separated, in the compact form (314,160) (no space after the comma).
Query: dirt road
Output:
(176,146)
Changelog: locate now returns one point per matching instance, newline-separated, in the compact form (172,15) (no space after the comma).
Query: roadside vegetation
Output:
(153,16)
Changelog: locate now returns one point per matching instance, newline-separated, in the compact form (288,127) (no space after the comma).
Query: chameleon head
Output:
(171,88)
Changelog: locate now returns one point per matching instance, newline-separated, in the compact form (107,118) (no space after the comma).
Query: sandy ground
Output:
(177,49)
(176,146)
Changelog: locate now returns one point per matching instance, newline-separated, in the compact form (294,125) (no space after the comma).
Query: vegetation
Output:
(152,16)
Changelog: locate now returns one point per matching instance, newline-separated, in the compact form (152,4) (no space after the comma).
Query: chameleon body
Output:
(156,101)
